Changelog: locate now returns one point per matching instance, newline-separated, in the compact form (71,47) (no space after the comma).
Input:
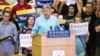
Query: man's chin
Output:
(47,16)
(6,20)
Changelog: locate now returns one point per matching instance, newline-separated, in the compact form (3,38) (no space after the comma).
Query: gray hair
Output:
(46,6)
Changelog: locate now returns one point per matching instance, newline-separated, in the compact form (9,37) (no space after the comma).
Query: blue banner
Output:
(22,18)
(23,14)
(40,3)
(58,34)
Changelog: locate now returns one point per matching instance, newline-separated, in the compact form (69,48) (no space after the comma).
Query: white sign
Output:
(69,2)
(58,53)
(25,40)
(79,28)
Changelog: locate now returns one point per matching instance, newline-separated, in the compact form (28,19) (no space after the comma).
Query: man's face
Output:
(89,8)
(71,9)
(6,17)
(47,12)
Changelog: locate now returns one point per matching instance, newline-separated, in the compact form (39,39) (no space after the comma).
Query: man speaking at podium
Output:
(45,22)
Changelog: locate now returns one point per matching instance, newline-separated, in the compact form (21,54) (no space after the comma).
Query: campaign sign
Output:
(2,8)
(40,3)
(79,28)
(23,14)
(22,18)
(25,40)
(62,23)
(58,34)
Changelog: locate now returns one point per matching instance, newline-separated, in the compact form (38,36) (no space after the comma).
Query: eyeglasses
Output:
(6,16)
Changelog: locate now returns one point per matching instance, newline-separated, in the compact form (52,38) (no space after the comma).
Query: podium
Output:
(44,46)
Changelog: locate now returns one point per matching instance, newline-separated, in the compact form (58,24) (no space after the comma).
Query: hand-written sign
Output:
(25,40)
(79,28)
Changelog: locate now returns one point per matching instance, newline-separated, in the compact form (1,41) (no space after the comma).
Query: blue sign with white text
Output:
(40,3)
(58,34)
(22,18)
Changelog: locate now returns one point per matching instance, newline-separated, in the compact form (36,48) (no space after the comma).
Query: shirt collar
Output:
(48,17)
(2,22)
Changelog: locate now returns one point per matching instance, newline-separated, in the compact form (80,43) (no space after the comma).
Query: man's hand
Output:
(97,28)
(87,37)
(29,48)
(9,38)
(33,35)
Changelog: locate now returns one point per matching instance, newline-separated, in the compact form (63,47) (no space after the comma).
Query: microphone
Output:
(51,28)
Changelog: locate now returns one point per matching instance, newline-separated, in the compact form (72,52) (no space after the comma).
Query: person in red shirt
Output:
(20,6)
(3,2)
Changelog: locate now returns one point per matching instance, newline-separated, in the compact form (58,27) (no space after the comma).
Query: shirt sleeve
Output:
(35,28)
(15,33)
(96,23)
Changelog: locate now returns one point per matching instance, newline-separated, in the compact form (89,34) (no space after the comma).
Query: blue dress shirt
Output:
(8,29)
(43,24)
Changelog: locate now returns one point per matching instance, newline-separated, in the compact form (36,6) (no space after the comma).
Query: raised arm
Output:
(79,5)
(98,8)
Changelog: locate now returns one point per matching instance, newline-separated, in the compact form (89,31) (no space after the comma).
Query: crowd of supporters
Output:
(78,12)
